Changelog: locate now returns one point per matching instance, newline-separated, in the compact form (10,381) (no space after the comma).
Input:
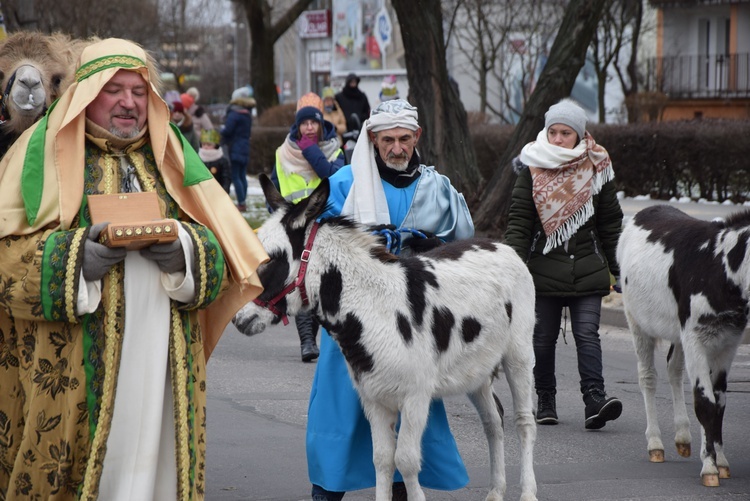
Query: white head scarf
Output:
(366,200)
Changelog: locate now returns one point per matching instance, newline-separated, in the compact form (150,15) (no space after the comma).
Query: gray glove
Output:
(170,257)
(617,287)
(98,258)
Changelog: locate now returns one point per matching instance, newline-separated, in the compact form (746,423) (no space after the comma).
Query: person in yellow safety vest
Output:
(311,152)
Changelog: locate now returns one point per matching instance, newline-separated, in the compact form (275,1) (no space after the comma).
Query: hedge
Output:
(708,159)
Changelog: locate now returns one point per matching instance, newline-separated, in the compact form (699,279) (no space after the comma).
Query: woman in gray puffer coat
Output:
(564,222)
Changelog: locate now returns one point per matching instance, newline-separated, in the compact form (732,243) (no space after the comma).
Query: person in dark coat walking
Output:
(236,135)
(564,221)
(353,101)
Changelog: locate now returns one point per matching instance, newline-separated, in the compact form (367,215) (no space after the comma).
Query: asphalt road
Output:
(257,410)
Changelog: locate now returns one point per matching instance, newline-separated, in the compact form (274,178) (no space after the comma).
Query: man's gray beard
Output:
(124,135)
(400,166)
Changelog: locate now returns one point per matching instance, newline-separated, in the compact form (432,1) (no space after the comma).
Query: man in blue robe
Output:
(386,185)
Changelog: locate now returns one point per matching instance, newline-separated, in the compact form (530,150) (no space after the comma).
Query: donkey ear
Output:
(318,200)
(273,197)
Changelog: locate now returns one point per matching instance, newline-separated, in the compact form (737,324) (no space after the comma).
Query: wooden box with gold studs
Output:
(134,220)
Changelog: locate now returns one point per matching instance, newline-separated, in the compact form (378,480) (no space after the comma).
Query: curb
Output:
(615,317)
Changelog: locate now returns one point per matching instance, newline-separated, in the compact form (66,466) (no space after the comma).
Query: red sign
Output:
(315,24)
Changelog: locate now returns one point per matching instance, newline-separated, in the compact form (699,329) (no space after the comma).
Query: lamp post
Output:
(234,56)
(237,28)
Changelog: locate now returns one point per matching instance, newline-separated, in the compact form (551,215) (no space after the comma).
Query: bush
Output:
(269,131)
(698,159)
(264,142)
(278,116)
(490,142)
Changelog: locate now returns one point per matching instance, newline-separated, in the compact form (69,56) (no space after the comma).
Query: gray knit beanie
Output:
(567,112)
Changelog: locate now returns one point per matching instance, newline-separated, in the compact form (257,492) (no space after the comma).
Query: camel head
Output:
(35,69)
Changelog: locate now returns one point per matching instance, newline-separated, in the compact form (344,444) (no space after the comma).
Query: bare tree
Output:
(445,139)
(619,28)
(629,77)
(265,29)
(84,18)
(567,56)
(475,35)
(504,44)
(20,15)
(183,37)
(182,34)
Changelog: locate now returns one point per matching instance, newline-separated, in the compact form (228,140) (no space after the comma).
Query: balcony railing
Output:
(700,77)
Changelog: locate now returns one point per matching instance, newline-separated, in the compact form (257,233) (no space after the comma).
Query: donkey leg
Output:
(706,408)
(720,389)
(518,369)
(383,428)
(492,421)
(720,373)
(414,414)
(676,371)
(647,377)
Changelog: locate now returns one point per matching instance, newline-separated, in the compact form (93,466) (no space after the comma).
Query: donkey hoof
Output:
(724,472)
(497,495)
(710,480)
(683,450)
(656,456)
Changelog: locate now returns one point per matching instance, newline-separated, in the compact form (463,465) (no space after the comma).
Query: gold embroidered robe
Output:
(58,378)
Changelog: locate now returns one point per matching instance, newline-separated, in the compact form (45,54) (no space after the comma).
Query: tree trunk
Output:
(262,71)
(566,59)
(631,91)
(20,15)
(601,87)
(445,141)
(263,36)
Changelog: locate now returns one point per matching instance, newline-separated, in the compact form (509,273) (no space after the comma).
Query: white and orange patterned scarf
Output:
(294,162)
(564,182)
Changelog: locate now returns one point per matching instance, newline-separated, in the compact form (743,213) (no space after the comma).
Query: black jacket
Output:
(353,100)
(583,267)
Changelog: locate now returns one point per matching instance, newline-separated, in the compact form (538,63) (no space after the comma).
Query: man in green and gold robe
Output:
(103,352)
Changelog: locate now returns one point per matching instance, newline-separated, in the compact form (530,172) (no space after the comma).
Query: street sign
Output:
(315,24)
(383,28)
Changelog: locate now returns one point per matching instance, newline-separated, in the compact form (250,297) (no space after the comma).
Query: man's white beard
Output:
(400,166)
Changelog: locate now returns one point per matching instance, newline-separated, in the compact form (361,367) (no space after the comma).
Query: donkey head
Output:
(283,237)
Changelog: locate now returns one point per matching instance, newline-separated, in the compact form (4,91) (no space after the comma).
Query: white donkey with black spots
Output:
(410,328)
(686,281)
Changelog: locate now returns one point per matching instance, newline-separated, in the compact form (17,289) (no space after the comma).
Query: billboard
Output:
(314,24)
(366,38)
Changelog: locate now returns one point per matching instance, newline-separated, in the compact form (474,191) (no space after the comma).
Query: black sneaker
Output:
(600,409)
(545,409)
